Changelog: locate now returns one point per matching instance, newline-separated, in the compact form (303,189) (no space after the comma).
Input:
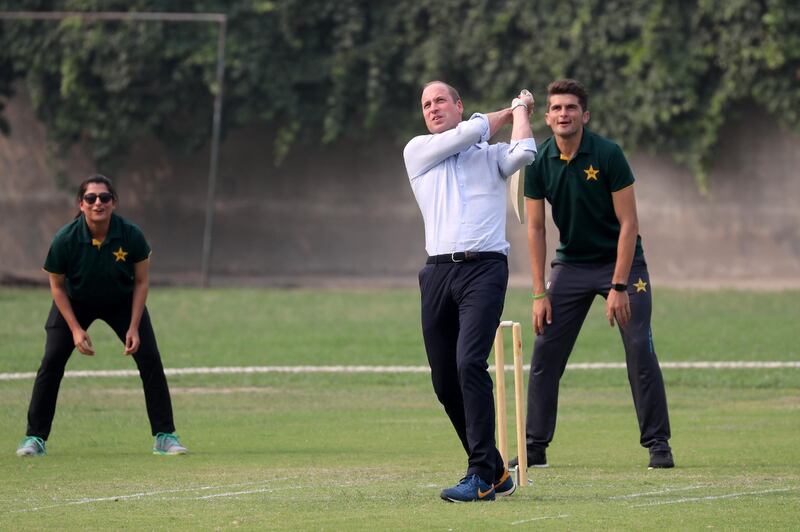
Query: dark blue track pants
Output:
(59,348)
(572,288)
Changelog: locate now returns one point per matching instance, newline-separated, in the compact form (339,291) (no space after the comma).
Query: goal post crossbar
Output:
(133,16)
(115,15)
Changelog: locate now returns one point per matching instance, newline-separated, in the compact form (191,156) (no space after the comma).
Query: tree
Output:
(663,75)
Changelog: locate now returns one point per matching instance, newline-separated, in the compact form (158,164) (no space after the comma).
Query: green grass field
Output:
(372,452)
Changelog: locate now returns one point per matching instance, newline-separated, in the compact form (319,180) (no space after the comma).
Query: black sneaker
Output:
(535,459)
(661,460)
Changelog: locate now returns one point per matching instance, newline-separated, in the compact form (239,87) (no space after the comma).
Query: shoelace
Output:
(465,480)
(39,442)
(167,438)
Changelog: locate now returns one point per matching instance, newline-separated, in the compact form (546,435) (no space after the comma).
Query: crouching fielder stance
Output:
(98,266)
(459,181)
(587,180)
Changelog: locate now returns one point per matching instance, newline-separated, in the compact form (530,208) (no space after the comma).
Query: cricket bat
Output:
(517,193)
(517,183)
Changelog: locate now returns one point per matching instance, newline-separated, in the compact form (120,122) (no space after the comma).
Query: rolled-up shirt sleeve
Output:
(426,151)
(518,154)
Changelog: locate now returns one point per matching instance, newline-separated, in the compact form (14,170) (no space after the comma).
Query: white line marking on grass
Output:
(89,500)
(540,519)
(158,495)
(246,492)
(659,492)
(740,364)
(714,497)
(99,499)
(732,364)
(238,370)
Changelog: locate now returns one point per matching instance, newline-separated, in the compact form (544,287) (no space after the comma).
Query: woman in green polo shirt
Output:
(99,266)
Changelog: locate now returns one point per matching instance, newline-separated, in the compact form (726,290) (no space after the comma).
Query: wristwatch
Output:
(619,287)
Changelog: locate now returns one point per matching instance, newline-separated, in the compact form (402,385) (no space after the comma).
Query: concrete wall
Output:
(345,213)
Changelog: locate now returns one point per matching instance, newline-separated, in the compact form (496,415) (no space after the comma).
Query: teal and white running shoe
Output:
(167,443)
(31,446)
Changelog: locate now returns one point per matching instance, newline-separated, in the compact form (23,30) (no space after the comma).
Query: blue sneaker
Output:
(505,486)
(31,446)
(167,443)
(469,489)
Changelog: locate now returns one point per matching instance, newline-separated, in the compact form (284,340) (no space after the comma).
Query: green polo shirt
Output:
(579,192)
(97,273)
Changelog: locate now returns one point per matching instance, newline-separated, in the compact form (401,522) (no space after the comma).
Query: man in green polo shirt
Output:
(98,266)
(589,184)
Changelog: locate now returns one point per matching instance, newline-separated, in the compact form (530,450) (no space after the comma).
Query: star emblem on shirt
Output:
(591,173)
(641,286)
(120,255)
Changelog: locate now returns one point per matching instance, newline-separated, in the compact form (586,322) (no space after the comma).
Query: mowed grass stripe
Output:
(190,493)
(371,451)
(736,364)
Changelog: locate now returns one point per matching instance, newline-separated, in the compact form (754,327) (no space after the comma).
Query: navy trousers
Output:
(59,348)
(572,288)
(461,308)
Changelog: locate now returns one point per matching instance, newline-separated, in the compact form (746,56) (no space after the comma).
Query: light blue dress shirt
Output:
(459,181)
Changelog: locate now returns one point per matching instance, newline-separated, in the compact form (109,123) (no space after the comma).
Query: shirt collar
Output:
(114,229)
(587,143)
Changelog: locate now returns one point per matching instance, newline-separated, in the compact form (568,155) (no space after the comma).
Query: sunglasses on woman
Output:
(104,197)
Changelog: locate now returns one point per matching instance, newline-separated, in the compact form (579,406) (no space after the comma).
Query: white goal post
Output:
(132,16)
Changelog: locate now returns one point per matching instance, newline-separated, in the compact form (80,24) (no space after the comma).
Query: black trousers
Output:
(59,347)
(572,289)
(461,308)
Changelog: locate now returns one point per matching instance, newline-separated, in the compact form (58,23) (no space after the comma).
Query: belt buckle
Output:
(453,256)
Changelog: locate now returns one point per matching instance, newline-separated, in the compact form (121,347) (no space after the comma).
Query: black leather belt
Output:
(466,256)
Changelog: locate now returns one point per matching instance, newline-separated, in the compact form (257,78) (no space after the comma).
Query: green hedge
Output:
(664,75)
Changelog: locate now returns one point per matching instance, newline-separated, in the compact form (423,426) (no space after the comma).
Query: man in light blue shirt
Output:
(459,181)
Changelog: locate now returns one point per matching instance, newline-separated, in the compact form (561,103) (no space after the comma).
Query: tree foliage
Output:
(664,75)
